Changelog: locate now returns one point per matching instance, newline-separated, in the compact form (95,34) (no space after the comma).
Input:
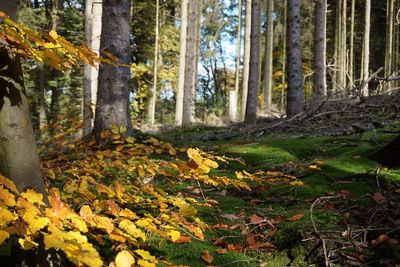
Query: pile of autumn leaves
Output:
(109,195)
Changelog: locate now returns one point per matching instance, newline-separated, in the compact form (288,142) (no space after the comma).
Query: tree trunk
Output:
(152,104)
(295,94)
(182,60)
(351,57)
(367,26)
(268,67)
(19,158)
(254,70)
(389,40)
(42,92)
(246,58)
(320,50)
(191,63)
(93,11)
(343,49)
(233,96)
(112,107)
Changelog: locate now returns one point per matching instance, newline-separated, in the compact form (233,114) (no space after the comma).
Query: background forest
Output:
(111,110)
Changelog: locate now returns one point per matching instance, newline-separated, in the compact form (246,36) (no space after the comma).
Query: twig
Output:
(322,240)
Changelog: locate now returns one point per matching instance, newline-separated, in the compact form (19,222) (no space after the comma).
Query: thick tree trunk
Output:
(254,70)
(188,116)
(19,158)
(268,67)
(112,107)
(246,58)
(93,11)
(182,60)
(320,50)
(295,94)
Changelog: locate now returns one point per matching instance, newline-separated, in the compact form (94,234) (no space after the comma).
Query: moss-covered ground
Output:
(335,168)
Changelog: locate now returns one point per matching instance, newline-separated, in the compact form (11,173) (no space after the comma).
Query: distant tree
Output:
(320,49)
(246,58)
(93,10)
(351,49)
(152,104)
(268,66)
(112,107)
(234,94)
(295,94)
(254,70)
(19,158)
(389,40)
(182,60)
(366,48)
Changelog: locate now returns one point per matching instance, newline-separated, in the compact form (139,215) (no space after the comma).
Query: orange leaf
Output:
(296,217)
(379,240)
(183,239)
(221,251)
(207,257)
(378,197)
(255,219)
(251,240)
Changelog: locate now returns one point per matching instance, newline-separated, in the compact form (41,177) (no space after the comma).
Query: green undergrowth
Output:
(336,167)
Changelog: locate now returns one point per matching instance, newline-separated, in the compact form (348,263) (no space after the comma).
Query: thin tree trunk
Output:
(351,57)
(233,96)
(93,11)
(152,106)
(320,50)
(367,26)
(295,94)
(284,57)
(389,40)
(254,70)
(42,92)
(182,61)
(343,48)
(246,58)
(268,67)
(113,107)
(19,158)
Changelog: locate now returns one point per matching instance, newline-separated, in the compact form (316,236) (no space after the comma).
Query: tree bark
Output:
(295,94)
(254,70)
(93,11)
(188,116)
(389,40)
(112,107)
(246,58)
(182,60)
(367,26)
(320,50)
(19,158)
(233,96)
(268,67)
(351,57)
(152,104)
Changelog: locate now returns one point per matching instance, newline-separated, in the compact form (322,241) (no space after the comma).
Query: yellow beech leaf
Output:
(6,216)
(33,197)
(3,236)
(130,140)
(174,235)
(124,259)
(145,255)
(127,213)
(7,197)
(296,183)
(130,228)
(27,244)
(75,246)
(53,34)
(35,222)
(187,210)
(146,223)
(144,263)
(239,175)
(8,184)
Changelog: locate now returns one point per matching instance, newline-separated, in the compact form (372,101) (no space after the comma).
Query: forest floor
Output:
(347,213)
(343,209)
